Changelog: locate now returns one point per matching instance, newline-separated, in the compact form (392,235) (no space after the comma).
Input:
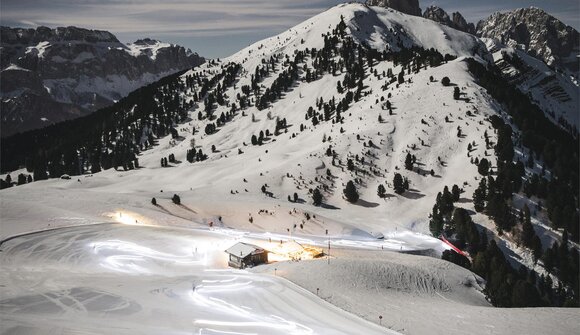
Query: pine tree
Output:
(401,78)
(176,199)
(21,179)
(456,192)
(528,232)
(39,171)
(398,183)
(316,197)
(483,167)
(350,164)
(350,192)
(154,201)
(446,202)
(456,93)
(436,222)
(479,196)
(381,191)
(409,162)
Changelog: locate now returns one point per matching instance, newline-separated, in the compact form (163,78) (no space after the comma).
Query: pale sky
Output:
(221,27)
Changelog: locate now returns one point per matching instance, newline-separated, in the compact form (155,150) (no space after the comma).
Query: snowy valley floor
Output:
(122,279)
(114,278)
(66,273)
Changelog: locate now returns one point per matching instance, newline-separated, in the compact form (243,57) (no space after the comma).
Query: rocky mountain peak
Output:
(146,41)
(462,24)
(410,7)
(536,32)
(456,21)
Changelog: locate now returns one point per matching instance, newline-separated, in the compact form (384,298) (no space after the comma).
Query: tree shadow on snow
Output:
(413,194)
(187,208)
(388,196)
(162,208)
(367,204)
(328,206)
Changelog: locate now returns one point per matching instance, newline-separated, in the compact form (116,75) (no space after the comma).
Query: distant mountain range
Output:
(529,29)
(51,75)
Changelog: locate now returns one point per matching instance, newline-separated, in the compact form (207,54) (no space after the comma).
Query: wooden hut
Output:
(242,255)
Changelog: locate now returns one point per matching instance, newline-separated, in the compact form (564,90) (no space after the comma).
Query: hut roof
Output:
(242,250)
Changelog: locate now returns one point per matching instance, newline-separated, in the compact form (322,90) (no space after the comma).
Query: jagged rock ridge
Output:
(537,32)
(456,20)
(51,75)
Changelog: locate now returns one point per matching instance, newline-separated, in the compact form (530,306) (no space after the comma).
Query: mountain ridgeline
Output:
(359,103)
(51,75)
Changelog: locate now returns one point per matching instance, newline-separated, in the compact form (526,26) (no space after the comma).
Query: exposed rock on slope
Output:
(50,75)
(554,92)
(537,32)
(410,7)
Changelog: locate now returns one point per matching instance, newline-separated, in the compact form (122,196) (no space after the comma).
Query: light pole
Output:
(328,255)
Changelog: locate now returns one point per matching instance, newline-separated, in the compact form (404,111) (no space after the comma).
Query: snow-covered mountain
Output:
(377,123)
(51,75)
(536,32)
(350,98)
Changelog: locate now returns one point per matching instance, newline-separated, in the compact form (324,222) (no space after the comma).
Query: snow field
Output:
(114,278)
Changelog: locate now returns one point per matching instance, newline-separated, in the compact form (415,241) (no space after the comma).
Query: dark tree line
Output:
(114,136)
(559,151)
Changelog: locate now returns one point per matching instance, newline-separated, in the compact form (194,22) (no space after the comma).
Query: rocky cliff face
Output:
(456,21)
(536,32)
(410,7)
(51,75)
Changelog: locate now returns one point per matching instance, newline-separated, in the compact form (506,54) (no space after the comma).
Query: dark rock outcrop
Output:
(410,7)
(456,21)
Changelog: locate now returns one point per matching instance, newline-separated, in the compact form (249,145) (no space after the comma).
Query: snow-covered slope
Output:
(116,279)
(383,29)
(228,184)
(416,295)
